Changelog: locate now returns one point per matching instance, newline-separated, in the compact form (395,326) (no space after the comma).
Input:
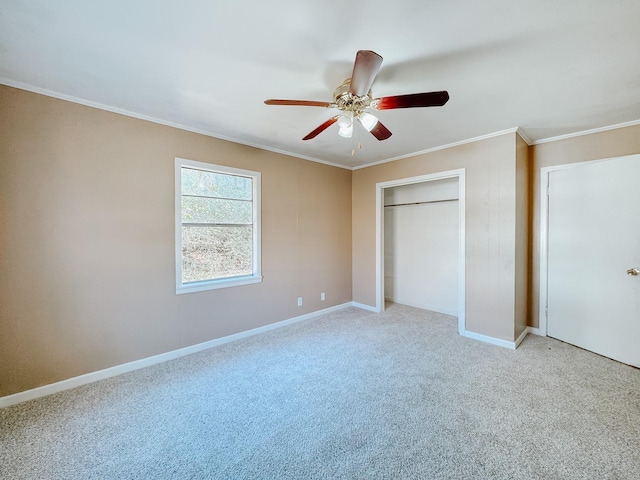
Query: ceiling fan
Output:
(354,96)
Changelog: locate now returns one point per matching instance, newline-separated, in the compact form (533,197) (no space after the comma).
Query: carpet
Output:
(349,395)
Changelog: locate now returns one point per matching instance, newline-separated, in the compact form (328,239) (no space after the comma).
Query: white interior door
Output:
(593,240)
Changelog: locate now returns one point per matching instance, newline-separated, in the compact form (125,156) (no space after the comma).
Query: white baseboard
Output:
(74,382)
(502,343)
(364,307)
(87,378)
(487,339)
(521,337)
(433,308)
(535,331)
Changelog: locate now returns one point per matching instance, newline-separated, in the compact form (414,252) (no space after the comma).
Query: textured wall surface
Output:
(87,269)
(490,268)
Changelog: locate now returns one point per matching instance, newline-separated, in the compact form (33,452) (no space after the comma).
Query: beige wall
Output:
(609,144)
(87,275)
(87,251)
(490,228)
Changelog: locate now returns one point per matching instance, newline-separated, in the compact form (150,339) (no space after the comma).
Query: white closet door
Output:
(594,239)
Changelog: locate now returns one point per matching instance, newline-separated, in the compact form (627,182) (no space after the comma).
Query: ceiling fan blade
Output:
(372,124)
(321,128)
(428,99)
(381,132)
(365,69)
(301,103)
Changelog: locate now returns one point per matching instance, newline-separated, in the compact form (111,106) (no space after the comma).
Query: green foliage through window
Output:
(217,225)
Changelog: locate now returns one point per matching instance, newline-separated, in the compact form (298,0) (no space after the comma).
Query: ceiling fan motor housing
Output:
(346,101)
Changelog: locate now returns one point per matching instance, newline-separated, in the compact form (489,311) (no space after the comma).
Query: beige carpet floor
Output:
(352,395)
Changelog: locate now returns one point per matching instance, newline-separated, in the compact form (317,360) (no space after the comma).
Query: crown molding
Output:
(441,147)
(587,132)
(148,118)
(524,136)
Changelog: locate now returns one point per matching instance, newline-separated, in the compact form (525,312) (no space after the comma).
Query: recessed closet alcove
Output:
(421,245)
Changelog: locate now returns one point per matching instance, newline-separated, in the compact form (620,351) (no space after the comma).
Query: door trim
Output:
(460,174)
(544,233)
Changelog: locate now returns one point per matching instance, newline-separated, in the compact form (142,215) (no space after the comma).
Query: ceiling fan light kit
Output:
(354,96)
(367,120)
(345,122)
(346,132)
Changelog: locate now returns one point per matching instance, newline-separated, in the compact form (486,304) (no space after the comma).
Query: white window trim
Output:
(256,276)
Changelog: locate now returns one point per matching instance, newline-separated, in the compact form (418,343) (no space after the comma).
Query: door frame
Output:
(380,187)
(544,234)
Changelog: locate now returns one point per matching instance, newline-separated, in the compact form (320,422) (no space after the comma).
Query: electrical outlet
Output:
(299,301)
(322,296)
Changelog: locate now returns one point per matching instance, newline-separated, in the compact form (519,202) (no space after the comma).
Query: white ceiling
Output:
(550,67)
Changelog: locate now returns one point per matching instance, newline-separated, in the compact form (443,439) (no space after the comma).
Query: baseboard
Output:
(535,331)
(87,378)
(503,343)
(521,337)
(447,311)
(487,339)
(364,307)
(466,333)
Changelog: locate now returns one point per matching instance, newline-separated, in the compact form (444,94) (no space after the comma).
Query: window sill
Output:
(215,284)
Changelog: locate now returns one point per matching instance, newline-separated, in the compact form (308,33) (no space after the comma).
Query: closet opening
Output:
(420,243)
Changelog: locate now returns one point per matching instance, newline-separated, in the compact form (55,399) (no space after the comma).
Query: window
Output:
(217,226)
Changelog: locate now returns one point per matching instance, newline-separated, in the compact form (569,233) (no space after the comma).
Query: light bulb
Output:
(346,132)
(345,120)
(367,120)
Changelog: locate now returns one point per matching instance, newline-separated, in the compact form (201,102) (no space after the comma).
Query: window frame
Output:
(203,285)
